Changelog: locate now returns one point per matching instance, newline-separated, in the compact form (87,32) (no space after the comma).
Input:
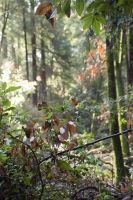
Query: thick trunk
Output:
(120,94)
(114,127)
(130,66)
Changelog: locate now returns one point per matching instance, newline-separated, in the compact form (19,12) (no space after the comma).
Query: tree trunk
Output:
(130,66)
(26,46)
(33,43)
(114,127)
(43,83)
(4,22)
(5,48)
(120,94)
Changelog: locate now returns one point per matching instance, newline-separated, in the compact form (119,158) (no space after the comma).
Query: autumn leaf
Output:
(91,53)
(43,8)
(123,187)
(72,144)
(27,131)
(56,120)
(23,151)
(74,102)
(1,110)
(64,134)
(34,143)
(80,76)
(71,127)
(48,17)
(14,150)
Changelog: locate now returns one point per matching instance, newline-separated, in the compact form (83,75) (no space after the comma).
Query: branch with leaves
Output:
(36,159)
(87,145)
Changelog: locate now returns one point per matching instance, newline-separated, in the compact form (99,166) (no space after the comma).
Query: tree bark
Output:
(121,93)
(130,66)
(5,18)
(5,47)
(43,83)
(26,45)
(114,127)
(33,43)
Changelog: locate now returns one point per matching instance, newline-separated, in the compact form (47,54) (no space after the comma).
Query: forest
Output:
(66,99)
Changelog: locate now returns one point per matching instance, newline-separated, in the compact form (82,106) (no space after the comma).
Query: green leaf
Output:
(12,89)
(96,26)
(59,8)
(121,2)
(102,20)
(79,6)
(6,103)
(64,165)
(4,85)
(67,8)
(87,21)
(3,157)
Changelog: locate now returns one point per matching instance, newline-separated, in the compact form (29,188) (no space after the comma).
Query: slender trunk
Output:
(13,50)
(5,18)
(120,95)
(26,45)
(33,42)
(114,127)
(5,48)
(43,83)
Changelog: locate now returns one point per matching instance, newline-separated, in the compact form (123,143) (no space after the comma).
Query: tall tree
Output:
(114,127)
(130,65)
(120,91)
(25,41)
(5,15)
(43,82)
(33,43)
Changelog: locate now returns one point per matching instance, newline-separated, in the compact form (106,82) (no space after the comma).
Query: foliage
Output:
(45,152)
(31,163)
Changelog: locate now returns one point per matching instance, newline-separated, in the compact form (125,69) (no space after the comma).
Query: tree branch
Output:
(86,145)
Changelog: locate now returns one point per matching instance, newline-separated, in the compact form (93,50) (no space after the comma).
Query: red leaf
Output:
(74,102)
(71,127)
(56,120)
(72,144)
(48,17)
(14,150)
(43,8)
(23,151)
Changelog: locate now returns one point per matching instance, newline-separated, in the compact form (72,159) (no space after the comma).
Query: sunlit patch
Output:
(13,77)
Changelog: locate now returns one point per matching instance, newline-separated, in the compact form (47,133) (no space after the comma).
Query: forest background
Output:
(66,71)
